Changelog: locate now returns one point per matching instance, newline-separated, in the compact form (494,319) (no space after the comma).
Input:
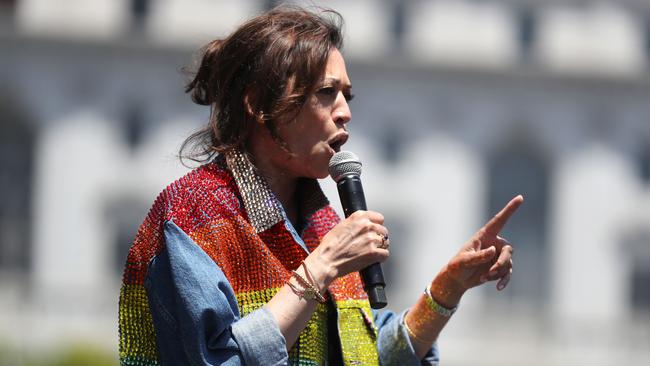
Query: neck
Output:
(284,187)
(281,182)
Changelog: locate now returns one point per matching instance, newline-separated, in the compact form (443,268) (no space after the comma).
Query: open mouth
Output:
(338,141)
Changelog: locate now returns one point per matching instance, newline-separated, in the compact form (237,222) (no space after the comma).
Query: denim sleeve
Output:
(394,344)
(195,313)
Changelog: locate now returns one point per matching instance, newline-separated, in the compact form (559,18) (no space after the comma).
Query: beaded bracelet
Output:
(309,291)
(436,307)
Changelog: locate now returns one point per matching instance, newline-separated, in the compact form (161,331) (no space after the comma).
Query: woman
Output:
(243,261)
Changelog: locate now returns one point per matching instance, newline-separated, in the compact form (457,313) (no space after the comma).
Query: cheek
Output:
(309,136)
(308,132)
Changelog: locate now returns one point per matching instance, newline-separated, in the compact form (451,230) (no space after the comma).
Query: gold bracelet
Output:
(411,333)
(310,291)
(301,293)
(309,276)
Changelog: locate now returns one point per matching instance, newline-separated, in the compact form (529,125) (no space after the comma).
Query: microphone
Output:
(345,169)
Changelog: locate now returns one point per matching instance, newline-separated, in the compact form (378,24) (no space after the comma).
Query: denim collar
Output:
(263,208)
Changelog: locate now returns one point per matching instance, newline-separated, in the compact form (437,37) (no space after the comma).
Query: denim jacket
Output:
(194,312)
(197,322)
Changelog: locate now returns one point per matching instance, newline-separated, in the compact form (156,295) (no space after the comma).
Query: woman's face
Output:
(319,130)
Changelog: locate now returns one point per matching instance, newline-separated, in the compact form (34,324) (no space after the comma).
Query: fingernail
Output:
(503,283)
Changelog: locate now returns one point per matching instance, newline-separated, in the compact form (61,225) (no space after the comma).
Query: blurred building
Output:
(461,104)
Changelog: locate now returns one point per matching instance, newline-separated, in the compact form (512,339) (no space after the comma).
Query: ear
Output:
(249,103)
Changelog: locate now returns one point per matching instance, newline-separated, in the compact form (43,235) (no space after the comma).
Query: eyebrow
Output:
(336,80)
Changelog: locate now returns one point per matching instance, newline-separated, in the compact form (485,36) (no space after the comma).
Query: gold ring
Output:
(385,242)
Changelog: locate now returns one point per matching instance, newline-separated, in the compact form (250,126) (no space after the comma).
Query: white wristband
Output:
(436,307)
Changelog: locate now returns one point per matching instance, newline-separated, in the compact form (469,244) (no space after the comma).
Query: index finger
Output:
(376,217)
(499,220)
(373,216)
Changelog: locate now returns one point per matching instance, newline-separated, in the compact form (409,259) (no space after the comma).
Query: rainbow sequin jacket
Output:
(230,213)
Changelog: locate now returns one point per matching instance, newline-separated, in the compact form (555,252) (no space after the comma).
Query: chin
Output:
(319,173)
(317,167)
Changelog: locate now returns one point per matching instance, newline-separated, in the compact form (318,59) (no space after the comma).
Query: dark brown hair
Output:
(263,71)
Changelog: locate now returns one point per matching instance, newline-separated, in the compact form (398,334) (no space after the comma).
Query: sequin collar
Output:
(263,208)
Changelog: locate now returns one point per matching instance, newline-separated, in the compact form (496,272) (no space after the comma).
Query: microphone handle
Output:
(352,200)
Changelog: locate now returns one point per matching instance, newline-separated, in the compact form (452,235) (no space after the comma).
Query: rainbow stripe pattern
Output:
(209,205)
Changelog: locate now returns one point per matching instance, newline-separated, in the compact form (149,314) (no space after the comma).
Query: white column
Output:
(594,191)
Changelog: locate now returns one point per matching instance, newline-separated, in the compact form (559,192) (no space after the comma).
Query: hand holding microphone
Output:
(345,169)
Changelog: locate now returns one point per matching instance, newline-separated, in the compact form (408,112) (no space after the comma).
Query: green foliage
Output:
(78,354)
(9,356)
(82,355)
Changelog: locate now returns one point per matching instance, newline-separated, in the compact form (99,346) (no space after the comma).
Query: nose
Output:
(342,114)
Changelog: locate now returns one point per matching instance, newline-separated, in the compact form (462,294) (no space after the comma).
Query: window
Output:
(16,164)
(637,246)
(644,163)
(640,287)
(139,11)
(135,125)
(7,11)
(124,215)
(391,139)
(395,275)
(513,170)
(647,38)
(527,32)
(399,21)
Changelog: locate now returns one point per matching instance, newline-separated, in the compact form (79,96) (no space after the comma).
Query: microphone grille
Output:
(344,163)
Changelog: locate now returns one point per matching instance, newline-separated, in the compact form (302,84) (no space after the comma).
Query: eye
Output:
(332,92)
(328,90)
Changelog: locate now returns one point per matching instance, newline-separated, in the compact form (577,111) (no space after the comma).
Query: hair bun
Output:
(202,88)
